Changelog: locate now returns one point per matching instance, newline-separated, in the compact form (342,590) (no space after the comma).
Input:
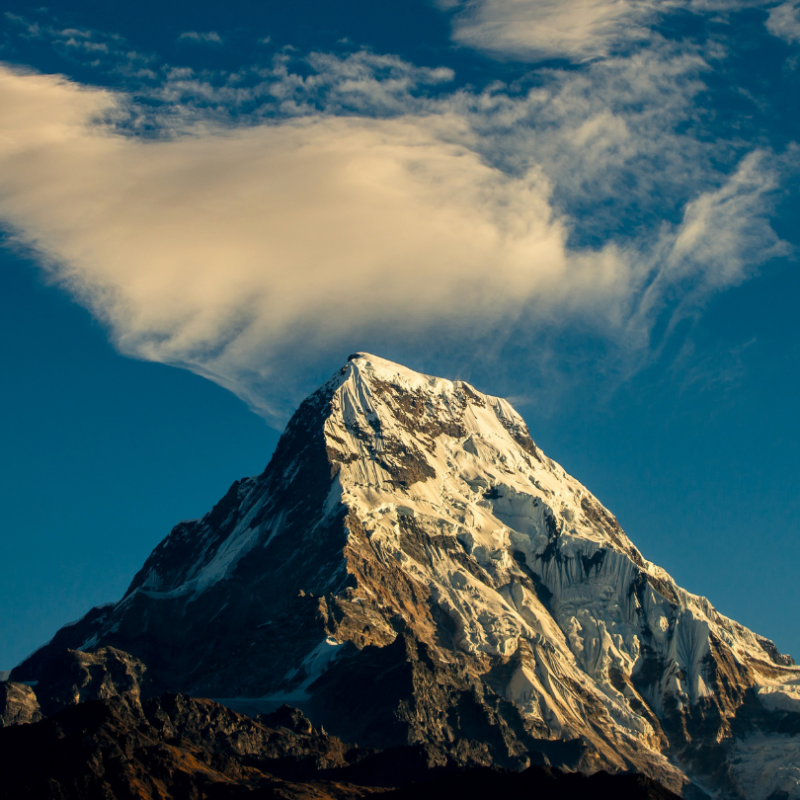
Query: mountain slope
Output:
(412,568)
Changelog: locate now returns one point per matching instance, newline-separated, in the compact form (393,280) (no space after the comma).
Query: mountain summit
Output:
(410,568)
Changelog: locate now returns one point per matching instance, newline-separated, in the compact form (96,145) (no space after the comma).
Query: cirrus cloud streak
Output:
(578,30)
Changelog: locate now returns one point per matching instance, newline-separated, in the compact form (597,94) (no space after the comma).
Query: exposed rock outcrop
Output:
(18,704)
(70,677)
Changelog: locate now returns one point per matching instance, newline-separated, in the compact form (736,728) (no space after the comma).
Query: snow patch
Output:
(764,764)
(311,667)
(780,698)
(90,642)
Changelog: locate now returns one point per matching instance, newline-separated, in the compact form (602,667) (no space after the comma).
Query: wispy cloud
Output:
(106,52)
(578,30)
(539,29)
(199,37)
(618,139)
(359,82)
(723,237)
(784,22)
(221,248)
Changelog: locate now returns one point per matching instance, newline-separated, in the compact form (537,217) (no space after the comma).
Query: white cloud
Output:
(737,207)
(725,232)
(533,30)
(215,249)
(210,37)
(360,82)
(608,136)
(222,249)
(784,22)
(107,52)
(578,30)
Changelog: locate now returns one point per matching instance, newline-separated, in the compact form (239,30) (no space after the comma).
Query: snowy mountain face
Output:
(411,568)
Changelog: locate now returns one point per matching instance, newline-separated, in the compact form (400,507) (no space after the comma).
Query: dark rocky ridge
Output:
(173,746)
(535,782)
(179,747)
(69,678)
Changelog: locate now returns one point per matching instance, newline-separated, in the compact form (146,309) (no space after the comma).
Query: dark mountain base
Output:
(540,783)
(180,747)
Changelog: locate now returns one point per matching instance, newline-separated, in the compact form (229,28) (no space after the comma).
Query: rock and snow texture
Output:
(417,570)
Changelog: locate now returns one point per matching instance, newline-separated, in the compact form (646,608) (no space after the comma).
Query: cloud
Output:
(533,30)
(726,231)
(784,22)
(214,250)
(222,249)
(210,37)
(99,50)
(618,138)
(361,82)
(578,30)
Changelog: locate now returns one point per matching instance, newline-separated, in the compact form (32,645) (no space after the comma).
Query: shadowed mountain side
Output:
(174,746)
(179,747)
(536,782)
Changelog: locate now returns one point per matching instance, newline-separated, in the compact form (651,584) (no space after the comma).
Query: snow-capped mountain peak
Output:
(413,568)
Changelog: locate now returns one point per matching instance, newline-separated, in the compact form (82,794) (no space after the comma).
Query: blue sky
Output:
(588,207)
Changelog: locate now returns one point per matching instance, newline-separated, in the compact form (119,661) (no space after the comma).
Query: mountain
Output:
(410,568)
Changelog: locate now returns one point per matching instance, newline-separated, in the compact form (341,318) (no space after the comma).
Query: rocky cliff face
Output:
(413,569)
(18,704)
